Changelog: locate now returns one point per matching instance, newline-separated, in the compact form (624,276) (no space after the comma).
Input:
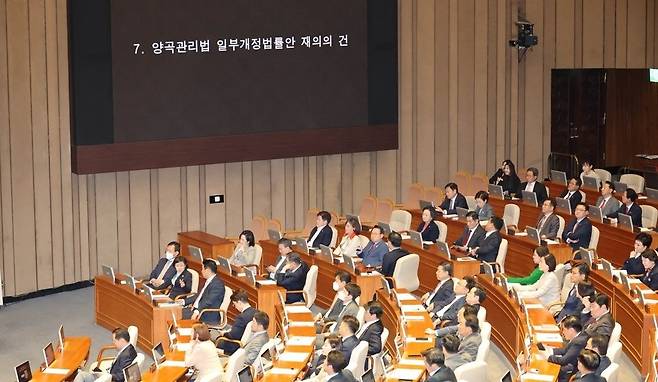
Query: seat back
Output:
(140,360)
(649,216)
(512,212)
(583,196)
(472,371)
(377,358)
(502,255)
(610,373)
(614,351)
(463,180)
(384,209)
(633,181)
(485,331)
(195,280)
(561,226)
(246,335)
(603,174)
(361,315)
(228,292)
(406,272)
(482,314)
(259,255)
(566,288)
(470,201)
(415,192)
(133,331)
(433,194)
(309,221)
(559,272)
(483,350)
(358,360)
(368,210)
(400,220)
(310,287)
(334,237)
(364,241)
(259,227)
(235,361)
(334,219)
(275,225)
(615,335)
(443,230)
(479,182)
(594,241)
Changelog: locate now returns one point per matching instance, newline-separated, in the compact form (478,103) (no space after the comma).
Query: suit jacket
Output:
(444,374)
(650,278)
(347,346)
(171,271)
(567,356)
(431,233)
(453,361)
(489,247)
(603,326)
(468,347)
(252,348)
(572,305)
(610,207)
(203,356)
(539,189)
(443,296)
(123,360)
(509,183)
(475,239)
(450,315)
(293,281)
(575,198)
(390,259)
(374,254)
(460,201)
(484,213)
(550,227)
(237,330)
(635,212)
(352,309)
(185,279)
(373,336)
(582,235)
(591,377)
(323,238)
(344,376)
(212,297)
(278,265)
(603,364)
(634,266)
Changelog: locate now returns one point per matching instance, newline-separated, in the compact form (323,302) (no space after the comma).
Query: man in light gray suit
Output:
(548,223)
(451,351)
(607,202)
(469,333)
(259,337)
(349,308)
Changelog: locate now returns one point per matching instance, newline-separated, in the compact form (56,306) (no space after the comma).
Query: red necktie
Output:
(602,204)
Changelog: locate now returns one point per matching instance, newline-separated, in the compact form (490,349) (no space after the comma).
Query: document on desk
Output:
(521,234)
(534,306)
(405,236)
(185,331)
(301,341)
(551,242)
(297,309)
(412,308)
(266,282)
(548,337)
(293,357)
(301,324)
(537,377)
(414,318)
(465,258)
(283,371)
(183,346)
(406,297)
(173,364)
(53,370)
(546,328)
(408,374)
(450,216)
(411,362)
(160,297)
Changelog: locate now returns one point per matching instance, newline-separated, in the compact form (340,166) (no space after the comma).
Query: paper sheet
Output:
(183,346)
(534,306)
(301,341)
(450,216)
(411,362)
(550,242)
(521,234)
(297,309)
(410,374)
(405,236)
(280,370)
(302,323)
(173,364)
(185,331)
(548,337)
(546,328)
(266,282)
(53,370)
(412,308)
(293,357)
(406,296)
(414,318)
(537,377)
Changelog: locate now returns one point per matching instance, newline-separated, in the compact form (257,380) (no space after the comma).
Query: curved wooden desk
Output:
(76,352)
(592,195)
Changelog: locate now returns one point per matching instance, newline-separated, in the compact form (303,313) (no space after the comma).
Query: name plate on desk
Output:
(406,374)
(52,370)
(266,282)
(537,377)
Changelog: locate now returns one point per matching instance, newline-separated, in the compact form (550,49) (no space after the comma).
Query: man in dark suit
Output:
(572,193)
(284,247)
(487,251)
(588,363)
(322,232)
(373,253)
(444,293)
(578,232)
(601,322)
(448,315)
(164,269)
(437,371)
(372,328)
(531,184)
(548,223)
(452,200)
(334,367)
(394,253)
(599,345)
(629,207)
(346,329)
(472,234)
(650,277)
(126,355)
(240,301)
(607,202)
(573,304)
(210,296)
(567,356)
(293,277)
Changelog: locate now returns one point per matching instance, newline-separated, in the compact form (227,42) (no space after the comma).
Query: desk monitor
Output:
(148,292)
(625,221)
(326,251)
(23,372)
(244,375)
(158,354)
(224,263)
(533,234)
(250,276)
(590,183)
(171,332)
(62,338)
(563,205)
(652,193)
(607,267)
(623,278)
(559,177)
(529,197)
(416,238)
(274,234)
(425,203)
(349,261)
(368,376)
(195,252)
(461,212)
(109,272)
(132,373)
(495,191)
(444,248)
(488,269)
(386,286)
(595,214)
(302,244)
(504,284)
(130,281)
(49,354)
(174,321)
(640,297)
(385,227)
(620,187)
(507,377)
(585,255)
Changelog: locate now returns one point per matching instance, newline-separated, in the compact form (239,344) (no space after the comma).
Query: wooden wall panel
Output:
(465,103)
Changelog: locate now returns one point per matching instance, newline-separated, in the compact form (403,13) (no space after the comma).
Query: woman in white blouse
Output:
(547,288)
(245,251)
(202,355)
(351,242)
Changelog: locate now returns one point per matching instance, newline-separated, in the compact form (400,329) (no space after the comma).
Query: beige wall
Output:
(465,104)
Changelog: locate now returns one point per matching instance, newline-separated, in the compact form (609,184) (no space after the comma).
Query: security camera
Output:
(525,35)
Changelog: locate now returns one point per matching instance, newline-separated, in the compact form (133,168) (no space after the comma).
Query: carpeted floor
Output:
(26,327)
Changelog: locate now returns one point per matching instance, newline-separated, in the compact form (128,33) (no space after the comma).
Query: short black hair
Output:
(381,230)
(285,242)
(583,269)
(453,186)
(374,307)
(631,194)
(354,222)
(241,295)
(472,322)
(447,267)
(589,359)
(326,216)
(497,222)
(582,204)
(434,356)
(180,259)
(249,236)
(578,181)
(586,289)
(210,264)
(602,299)
(353,290)
(351,322)
(336,359)
(176,245)
(600,342)
(470,282)
(451,343)
(395,239)
(432,210)
(650,255)
(343,276)
(610,184)
(121,334)
(334,340)
(550,262)
(551,201)
(572,322)
(482,195)
(262,319)
(542,251)
(470,309)
(294,257)
(644,238)
(480,293)
(473,215)
(533,170)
